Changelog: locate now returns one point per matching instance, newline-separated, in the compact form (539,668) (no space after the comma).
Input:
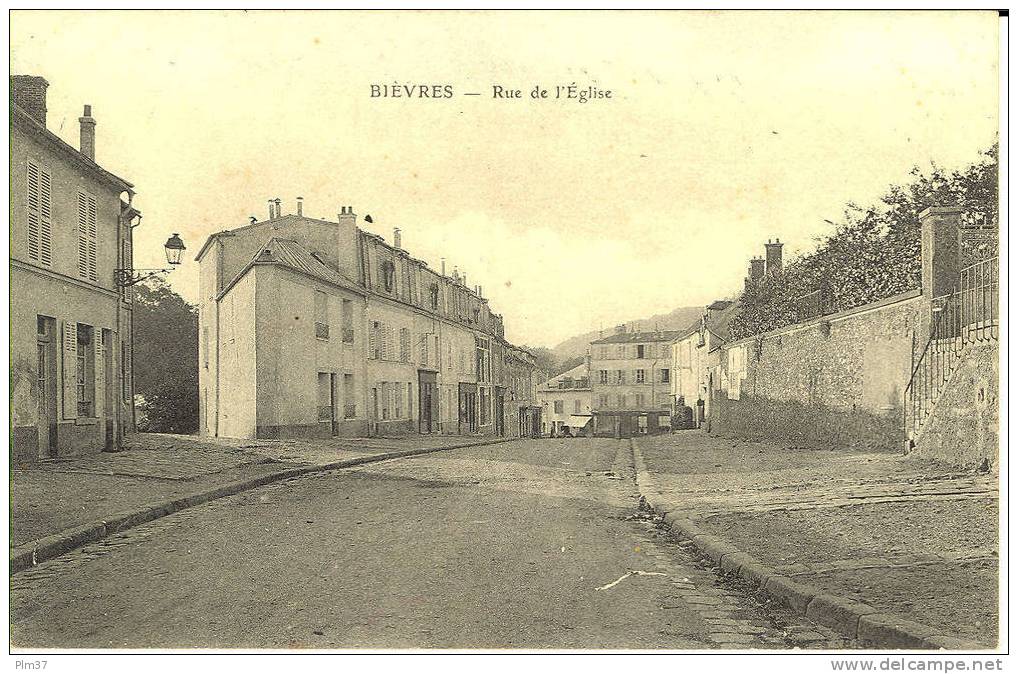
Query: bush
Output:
(874,253)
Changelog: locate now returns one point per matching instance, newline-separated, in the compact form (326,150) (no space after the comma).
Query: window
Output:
(602,400)
(375,341)
(639,399)
(423,349)
(577,406)
(641,376)
(349,404)
(558,407)
(640,351)
(87,235)
(321,315)
(666,375)
(40,214)
(324,397)
(477,315)
(85,371)
(388,271)
(348,321)
(620,376)
(602,376)
(398,395)
(433,295)
(404,345)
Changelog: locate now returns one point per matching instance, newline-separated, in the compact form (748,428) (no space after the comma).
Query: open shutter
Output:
(46,218)
(93,239)
(70,369)
(82,235)
(100,375)
(33,211)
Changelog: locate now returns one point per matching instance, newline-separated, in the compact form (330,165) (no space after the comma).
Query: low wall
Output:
(832,382)
(963,427)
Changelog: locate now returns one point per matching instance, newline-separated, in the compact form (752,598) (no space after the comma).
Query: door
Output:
(427,401)
(499,412)
(46,368)
(333,402)
(109,390)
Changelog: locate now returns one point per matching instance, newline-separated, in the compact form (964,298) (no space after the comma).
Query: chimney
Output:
(279,209)
(773,256)
(87,144)
(756,268)
(347,216)
(443,266)
(29,93)
(480,291)
(272,209)
(397,240)
(300,205)
(620,328)
(941,249)
(464,279)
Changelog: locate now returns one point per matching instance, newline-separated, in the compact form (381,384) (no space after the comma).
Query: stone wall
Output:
(963,427)
(831,382)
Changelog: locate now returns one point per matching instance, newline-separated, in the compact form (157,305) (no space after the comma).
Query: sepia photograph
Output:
(485,331)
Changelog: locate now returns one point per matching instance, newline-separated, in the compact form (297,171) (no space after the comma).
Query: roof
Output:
(291,255)
(578,372)
(636,337)
(33,126)
(719,305)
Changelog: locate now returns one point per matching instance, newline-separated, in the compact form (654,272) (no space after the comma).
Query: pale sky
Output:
(725,129)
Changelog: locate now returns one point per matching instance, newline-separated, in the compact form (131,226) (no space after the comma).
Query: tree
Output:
(165,359)
(873,253)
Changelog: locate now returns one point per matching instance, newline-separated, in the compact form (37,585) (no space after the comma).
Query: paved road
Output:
(518,545)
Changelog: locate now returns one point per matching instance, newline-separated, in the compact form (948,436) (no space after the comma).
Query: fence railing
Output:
(968,315)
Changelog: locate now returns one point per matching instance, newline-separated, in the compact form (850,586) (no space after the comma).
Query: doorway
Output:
(46,368)
(427,401)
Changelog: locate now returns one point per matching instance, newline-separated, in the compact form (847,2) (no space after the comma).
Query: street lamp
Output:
(174,247)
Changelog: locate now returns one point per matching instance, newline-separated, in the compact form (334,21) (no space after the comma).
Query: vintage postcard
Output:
(507,330)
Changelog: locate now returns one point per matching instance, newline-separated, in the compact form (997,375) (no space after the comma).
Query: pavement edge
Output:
(853,619)
(32,553)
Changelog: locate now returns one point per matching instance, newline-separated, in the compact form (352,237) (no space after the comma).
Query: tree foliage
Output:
(165,359)
(873,252)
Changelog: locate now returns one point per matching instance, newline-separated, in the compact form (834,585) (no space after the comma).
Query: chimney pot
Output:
(397,240)
(87,144)
(300,205)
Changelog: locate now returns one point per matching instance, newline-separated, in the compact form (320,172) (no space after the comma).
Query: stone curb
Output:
(853,619)
(29,554)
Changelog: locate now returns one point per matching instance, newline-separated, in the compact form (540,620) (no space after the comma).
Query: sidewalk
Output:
(907,537)
(55,496)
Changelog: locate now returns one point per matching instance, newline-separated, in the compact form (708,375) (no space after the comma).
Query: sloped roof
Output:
(636,337)
(289,253)
(721,324)
(33,126)
(578,372)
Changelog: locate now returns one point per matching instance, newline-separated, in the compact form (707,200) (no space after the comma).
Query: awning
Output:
(578,421)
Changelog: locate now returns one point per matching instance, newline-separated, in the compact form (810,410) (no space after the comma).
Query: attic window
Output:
(388,275)
(433,291)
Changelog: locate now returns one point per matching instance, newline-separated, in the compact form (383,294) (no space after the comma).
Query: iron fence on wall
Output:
(968,315)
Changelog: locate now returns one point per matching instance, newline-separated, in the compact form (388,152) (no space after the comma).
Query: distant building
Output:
(70,230)
(566,402)
(631,381)
(312,328)
(696,353)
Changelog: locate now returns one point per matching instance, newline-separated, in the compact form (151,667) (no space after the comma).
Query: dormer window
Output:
(388,275)
(477,315)
(433,295)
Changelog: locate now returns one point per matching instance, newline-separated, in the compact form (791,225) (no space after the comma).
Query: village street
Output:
(524,544)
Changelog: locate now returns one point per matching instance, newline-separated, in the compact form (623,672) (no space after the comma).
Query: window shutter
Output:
(100,374)
(93,236)
(82,235)
(33,211)
(46,220)
(70,369)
